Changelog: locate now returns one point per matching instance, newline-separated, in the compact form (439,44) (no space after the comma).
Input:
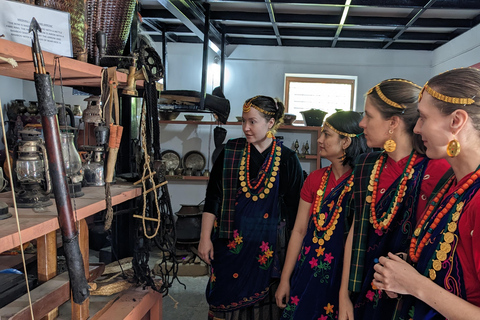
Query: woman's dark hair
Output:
(274,109)
(459,83)
(347,122)
(402,93)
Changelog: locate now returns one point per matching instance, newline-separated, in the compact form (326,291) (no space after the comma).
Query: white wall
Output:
(257,70)
(463,51)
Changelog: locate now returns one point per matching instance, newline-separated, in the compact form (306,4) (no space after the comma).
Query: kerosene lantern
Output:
(32,181)
(73,164)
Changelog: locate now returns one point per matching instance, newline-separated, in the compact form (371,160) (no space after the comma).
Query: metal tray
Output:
(195,160)
(172,159)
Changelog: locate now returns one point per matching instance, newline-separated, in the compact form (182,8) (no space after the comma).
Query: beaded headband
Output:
(384,98)
(351,135)
(442,97)
(248,105)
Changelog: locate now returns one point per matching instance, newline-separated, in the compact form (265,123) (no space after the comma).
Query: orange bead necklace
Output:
(417,245)
(383,222)
(320,218)
(266,176)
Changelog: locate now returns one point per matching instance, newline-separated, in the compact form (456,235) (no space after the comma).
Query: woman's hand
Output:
(283,294)
(205,250)
(394,274)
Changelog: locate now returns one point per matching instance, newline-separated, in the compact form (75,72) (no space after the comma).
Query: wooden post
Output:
(47,263)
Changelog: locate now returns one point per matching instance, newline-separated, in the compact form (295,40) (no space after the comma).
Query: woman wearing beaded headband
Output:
(445,247)
(308,284)
(390,187)
(250,206)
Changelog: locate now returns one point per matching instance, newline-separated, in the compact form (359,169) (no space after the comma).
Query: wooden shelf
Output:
(283,127)
(36,224)
(238,123)
(190,178)
(74,72)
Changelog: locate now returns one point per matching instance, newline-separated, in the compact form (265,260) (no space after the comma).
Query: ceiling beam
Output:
(175,8)
(271,14)
(342,21)
(154,25)
(410,23)
(333,20)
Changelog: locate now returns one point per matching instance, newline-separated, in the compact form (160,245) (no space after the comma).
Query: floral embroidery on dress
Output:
(322,268)
(303,254)
(266,256)
(212,279)
(236,244)
(411,313)
(374,295)
(291,306)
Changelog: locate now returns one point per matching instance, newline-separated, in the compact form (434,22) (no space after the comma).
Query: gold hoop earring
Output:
(344,156)
(390,145)
(453,148)
(269,134)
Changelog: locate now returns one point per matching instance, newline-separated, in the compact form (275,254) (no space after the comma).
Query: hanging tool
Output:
(48,112)
(113,141)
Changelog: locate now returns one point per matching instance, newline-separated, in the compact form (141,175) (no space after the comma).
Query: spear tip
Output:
(34,26)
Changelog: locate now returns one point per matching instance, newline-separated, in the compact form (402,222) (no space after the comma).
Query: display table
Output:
(35,224)
(43,227)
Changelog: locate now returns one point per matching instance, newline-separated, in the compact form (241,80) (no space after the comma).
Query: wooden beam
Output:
(134,304)
(45,298)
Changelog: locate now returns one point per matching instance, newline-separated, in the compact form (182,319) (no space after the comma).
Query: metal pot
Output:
(313,117)
(189,223)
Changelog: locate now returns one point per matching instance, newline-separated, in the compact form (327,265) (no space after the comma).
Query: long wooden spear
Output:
(48,111)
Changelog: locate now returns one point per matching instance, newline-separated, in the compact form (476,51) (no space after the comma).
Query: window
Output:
(324,92)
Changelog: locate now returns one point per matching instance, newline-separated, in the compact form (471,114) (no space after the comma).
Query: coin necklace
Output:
(266,176)
(319,218)
(424,233)
(383,222)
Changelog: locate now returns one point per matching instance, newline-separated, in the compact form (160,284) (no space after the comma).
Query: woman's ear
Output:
(346,142)
(394,122)
(271,123)
(458,119)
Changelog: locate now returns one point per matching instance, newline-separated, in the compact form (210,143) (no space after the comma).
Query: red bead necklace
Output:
(263,173)
(387,217)
(267,176)
(317,205)
(319,218)
(416,248)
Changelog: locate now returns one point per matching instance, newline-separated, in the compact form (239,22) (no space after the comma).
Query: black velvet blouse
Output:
(291,182)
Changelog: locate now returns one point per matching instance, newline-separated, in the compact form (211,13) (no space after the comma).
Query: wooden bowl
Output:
(191,117)
(168,115)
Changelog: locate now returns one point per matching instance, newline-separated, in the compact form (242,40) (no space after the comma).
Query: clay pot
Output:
(189,223)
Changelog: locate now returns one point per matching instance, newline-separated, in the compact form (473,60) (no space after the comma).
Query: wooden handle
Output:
(112,138)
(119,136)
(112,159)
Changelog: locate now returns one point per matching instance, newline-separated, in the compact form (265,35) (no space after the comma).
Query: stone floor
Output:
(182,302)
(186,302)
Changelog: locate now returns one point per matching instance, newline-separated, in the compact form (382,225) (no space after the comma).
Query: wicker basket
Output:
(114,17)
(76,8)
(111,288)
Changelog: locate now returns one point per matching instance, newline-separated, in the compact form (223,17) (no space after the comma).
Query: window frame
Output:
(318,78)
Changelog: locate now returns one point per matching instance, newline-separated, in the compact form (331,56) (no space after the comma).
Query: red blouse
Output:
(468,249)
(313,181)
(433,173)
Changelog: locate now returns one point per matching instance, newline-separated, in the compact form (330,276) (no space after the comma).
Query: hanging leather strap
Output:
(113,97)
